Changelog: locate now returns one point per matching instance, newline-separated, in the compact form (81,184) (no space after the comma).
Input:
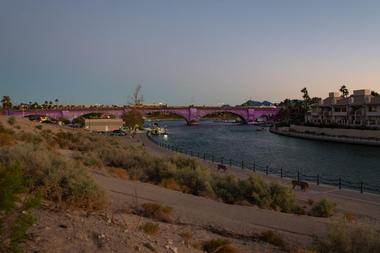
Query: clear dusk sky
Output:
(182,52)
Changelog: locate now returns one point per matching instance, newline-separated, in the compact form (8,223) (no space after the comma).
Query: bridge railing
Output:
(259,166)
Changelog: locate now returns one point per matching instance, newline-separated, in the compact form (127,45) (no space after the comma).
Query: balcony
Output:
(373,113)
(339,114)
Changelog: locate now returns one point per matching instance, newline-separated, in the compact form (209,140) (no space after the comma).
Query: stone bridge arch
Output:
(183,113)
(239,113)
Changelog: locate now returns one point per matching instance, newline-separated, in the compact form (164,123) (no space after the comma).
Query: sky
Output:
(208,52)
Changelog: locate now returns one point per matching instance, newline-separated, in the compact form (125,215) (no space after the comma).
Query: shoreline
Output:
(327,138)
(271,175)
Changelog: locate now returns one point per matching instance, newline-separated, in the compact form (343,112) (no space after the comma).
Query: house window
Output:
(372,109)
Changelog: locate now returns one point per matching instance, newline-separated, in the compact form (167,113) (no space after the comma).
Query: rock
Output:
(62,226)
(148,245)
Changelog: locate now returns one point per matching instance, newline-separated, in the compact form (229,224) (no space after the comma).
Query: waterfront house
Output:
(359,109)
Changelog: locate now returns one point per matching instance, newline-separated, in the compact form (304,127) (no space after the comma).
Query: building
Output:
(359,109)
(103,125)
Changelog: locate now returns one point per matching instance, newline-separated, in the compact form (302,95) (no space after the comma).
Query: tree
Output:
(133,119)
(305,95)
(374,93)
(137,97)
(7,102)
(343,89)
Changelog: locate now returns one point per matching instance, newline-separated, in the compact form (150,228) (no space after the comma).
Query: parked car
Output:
(118,133)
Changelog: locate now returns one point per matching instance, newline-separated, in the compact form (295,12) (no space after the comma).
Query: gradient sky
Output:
(182,52)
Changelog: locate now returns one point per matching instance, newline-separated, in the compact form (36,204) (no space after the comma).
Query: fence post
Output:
(266,170)
(230,163)
(340,183)
(254,166)
(222,160)
(361,187)
(242,164)
(212,158)
(204,156)
(281,172)
(298,175)
(317,179)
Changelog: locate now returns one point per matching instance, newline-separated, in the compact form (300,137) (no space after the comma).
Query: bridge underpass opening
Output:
(152,117)
(223,117)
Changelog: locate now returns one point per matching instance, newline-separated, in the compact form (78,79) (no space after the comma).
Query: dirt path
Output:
(207,213)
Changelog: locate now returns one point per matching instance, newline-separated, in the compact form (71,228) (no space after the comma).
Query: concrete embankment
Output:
(351,136)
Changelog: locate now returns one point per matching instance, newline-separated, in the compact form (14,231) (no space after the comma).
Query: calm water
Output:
(242,142)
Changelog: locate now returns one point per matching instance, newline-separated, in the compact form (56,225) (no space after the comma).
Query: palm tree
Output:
(343,89)
(7,102)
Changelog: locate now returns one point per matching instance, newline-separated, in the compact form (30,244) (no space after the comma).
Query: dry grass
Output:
(273,237)
(157,211)
(343,237)
(303,251)
(122,173)
(218,246)
(187,236)
(150,228)
(171,184)
(6,139)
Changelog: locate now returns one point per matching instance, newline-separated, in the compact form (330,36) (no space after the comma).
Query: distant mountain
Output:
(257,103)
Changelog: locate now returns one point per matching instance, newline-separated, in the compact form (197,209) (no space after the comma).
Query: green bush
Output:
(323,208)
(345,238)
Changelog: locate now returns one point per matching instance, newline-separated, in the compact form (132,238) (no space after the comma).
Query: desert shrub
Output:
(171,184)
(218,246)
(298,210)
(30,138)
(157,211)
(256,191)
(39,127)
(344,238)
(196,182)
(323,208)
(273,237)
(7,139)
(282,198)
(88,159)
(60,179)
(11,120)
(227,188)
(150,228)
(16,200)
